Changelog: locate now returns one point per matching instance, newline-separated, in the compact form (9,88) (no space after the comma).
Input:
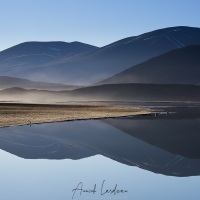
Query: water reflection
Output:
(169,145)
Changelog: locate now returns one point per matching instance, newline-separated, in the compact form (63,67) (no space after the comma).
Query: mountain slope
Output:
(181,66)
(111,59)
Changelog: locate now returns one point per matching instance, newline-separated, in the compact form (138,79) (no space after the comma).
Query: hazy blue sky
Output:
(97,22)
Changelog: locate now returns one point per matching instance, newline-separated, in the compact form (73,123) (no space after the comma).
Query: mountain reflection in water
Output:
(167,144)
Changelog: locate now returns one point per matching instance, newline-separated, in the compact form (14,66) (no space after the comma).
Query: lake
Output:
(144,157)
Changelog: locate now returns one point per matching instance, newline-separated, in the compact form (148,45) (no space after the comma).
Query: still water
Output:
(142,157)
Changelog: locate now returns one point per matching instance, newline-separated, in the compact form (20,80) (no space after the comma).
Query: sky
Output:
(96,22)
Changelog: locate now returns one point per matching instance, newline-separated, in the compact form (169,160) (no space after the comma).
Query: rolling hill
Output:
(115,92)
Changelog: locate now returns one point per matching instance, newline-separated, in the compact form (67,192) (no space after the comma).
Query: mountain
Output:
(101,63)
(30,55)
(116,92)
(10,82)
(180,66)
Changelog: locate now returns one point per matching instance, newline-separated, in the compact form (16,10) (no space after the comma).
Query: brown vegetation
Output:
(22,114)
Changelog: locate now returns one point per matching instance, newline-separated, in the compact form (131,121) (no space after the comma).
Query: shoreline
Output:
(30,114)
(71,120)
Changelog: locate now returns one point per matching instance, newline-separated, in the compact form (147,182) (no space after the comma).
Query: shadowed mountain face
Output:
(170,150)
(88,68)
(181,66)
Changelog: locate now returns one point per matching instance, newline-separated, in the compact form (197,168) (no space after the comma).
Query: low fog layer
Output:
(115,92)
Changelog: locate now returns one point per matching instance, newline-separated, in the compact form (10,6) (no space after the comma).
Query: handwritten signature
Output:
(103,191)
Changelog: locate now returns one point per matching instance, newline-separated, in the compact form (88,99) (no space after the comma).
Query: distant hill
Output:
(10,82)
(180,66)
(139,92)
(116,92)
(83,68)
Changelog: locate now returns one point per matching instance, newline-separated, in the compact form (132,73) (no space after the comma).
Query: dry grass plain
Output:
(13,114)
